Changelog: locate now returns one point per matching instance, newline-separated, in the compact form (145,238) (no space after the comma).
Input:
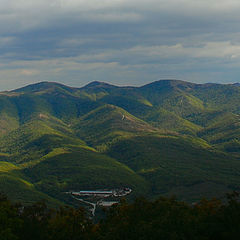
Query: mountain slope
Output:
(167,137)
(81,168)
(48,158)
(108,123)
(170,163)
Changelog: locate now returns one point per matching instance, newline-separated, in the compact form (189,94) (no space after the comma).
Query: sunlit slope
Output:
(174,96)
(224,132)
(36,138)
(172,104)
(185,166)
(49,98)
(109,123)
(47,153)
(192,97)
(164,119)
(25,147)
(17,187)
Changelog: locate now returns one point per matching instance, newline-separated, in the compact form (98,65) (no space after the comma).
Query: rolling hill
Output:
(167,137)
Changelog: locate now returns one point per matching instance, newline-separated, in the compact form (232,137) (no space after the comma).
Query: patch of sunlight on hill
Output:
(194,101)
(145,102)
(6,167)
(20,190)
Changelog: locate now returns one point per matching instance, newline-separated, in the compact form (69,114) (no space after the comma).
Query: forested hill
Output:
(167,137)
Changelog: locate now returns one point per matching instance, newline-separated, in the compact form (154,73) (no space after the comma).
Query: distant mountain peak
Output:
(42,86)
(169,83)
(98,84)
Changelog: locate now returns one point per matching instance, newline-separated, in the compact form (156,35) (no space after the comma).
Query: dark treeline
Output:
(165,218)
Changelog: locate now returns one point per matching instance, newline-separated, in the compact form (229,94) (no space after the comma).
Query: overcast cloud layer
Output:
(123,42)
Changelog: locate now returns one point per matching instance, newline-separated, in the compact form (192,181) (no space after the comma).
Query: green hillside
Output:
(109,123)
(36,138)
(165,119)
(17,187)
(171,163)
(167,137)
(47,153)
(82,168)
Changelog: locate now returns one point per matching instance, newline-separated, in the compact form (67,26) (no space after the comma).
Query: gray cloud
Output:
(118,41)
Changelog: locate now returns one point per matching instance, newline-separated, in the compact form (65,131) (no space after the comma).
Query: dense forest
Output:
(164,218)
(166,138)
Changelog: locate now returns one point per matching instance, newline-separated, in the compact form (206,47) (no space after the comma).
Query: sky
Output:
(122,42)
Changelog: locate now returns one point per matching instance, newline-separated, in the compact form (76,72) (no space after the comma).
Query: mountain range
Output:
(169,137)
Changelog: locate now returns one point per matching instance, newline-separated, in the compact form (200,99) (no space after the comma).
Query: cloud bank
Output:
(121,42)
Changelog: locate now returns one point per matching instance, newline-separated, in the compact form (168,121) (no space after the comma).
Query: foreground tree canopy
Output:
(165,218)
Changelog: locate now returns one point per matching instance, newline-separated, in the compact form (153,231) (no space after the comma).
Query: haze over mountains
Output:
(167,137)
